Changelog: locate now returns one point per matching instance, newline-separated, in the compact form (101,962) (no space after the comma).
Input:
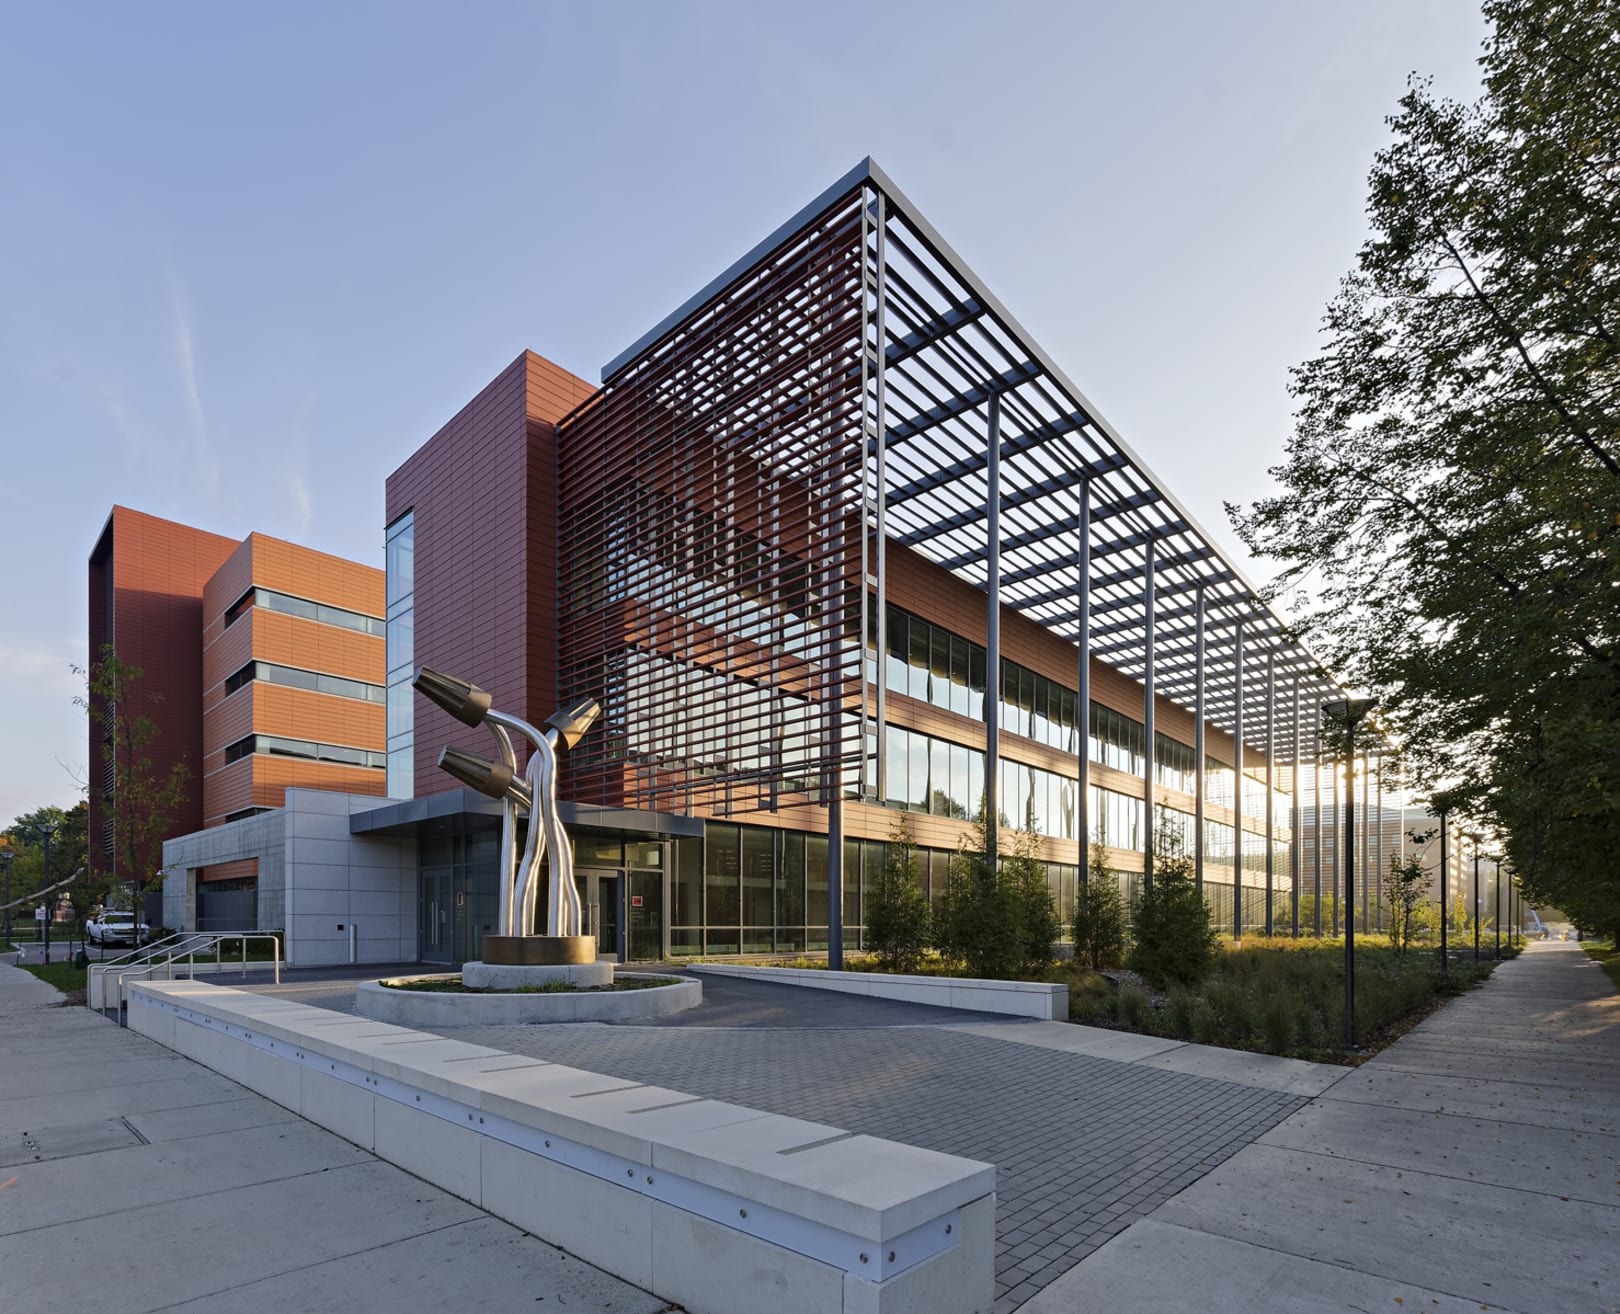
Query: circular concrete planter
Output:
(509,976)
(429,1008)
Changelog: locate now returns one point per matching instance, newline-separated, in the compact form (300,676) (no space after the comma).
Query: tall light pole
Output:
(1496,900)
(6,855)
(1445,887)
(47,829)
(1475,837)
(1348,713)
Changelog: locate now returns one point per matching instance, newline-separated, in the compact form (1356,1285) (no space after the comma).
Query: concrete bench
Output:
(1034,999)
(718,1207)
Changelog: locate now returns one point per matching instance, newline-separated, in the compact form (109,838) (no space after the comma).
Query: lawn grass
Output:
(64,976)
(1608,955)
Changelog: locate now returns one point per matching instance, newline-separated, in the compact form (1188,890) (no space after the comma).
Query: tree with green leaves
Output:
(1175,942)
(977,924)
(1406,893)
(137,800)
(1451,492)
(1099,915)
(897,913)
(1039,926)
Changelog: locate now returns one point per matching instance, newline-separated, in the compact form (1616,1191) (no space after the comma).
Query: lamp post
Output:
(1348,712)
(6,856)
(1475,837)
(47,829)
(1496,901)
(1445,887)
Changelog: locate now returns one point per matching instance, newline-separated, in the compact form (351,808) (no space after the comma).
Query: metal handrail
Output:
(187,946)
(139,954)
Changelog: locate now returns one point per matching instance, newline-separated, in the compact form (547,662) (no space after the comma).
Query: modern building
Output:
(836,546)
(262,667)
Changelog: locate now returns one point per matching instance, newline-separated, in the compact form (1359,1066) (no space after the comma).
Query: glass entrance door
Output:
(602,894)
(646,915)
(435,916)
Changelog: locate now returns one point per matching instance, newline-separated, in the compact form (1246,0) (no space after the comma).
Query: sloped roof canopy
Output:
(948,344)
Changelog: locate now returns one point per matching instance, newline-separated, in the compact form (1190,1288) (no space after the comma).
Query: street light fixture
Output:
(6,855)
(1496,901)
(47,829)
(1474,836)
(1349,713)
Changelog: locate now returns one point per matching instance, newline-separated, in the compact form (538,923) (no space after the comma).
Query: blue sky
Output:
(250,257)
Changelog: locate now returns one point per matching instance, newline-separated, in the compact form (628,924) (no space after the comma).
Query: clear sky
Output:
(251,256)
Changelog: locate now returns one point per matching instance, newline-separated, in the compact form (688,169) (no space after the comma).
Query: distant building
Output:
(262,665)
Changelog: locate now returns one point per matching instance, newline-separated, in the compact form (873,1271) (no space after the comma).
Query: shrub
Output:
(1278,1023)
(897,913)
(1099,916)
(1039,927)
(1175,943)
(1178,1013)
(978,923)
(1133,1006)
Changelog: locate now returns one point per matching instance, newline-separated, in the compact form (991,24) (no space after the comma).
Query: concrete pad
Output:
(483,1264)
(1267,1071)
(1467,1238)
(1120,1046)
(294,1222)
(1580,1165)
(194,1086)
(150,1176)
(1543,1106)
(227,1115)
(1156,1266)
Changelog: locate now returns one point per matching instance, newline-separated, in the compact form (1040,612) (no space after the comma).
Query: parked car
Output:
(117,928)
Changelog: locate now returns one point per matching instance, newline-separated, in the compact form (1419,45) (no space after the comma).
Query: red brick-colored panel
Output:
(241,869)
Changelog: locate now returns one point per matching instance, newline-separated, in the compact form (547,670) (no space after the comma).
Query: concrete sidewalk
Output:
(134,1179)
(1475,1164)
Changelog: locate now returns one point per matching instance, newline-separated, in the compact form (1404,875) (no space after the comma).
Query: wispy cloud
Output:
(185,352)
(303,500)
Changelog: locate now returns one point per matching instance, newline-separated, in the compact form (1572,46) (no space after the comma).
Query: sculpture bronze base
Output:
(539,950)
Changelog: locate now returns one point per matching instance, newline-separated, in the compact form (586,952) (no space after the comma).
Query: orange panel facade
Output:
(264,675)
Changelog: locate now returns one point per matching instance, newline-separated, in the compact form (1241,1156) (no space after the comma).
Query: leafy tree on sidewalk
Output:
(137,800)
(1452,488)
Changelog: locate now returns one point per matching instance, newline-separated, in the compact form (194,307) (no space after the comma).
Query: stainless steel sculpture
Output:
(534,795)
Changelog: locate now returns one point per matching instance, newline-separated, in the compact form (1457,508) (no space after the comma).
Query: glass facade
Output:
(401,643)
(947,671)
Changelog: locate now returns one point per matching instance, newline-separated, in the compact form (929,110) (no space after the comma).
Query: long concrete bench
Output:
(718,1207)
(1035,999)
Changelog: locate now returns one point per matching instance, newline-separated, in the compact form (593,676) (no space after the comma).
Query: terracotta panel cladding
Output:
(155,571)
(242,869)
(483,490)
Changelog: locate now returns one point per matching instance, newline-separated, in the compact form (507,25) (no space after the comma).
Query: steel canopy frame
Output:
(942,365)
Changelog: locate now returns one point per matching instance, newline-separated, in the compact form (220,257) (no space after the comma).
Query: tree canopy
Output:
(1450,497)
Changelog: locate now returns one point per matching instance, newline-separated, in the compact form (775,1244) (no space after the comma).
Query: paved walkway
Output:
(132,1179)
(1475,1164)
(1083,1144)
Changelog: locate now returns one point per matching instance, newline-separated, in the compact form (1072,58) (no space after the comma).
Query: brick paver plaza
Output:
(1083,1146)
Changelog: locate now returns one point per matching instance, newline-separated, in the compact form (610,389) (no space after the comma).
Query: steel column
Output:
(880,548)
(1147,719)
(992,647)
(1271,753)
(1199,751)
(1316,807)
(1082,561)
(1237,786)
(1294,816)
(1366,838)
(835,880)
(1445,891)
